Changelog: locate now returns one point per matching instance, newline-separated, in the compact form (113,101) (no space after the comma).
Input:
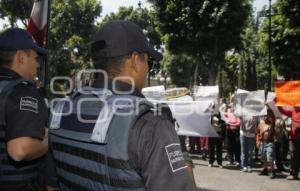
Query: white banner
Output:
(250,104)
(193,117)
(207,93)
(240,91)
(154,93)
(271,97)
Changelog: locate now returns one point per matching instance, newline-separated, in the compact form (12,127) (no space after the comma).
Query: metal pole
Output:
(46,69)
(270,47)
(149,77)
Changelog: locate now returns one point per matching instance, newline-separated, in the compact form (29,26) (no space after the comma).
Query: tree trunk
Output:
(241,76)
(195,81)
(212,74)
(220,64)
(248,75)
(254,75)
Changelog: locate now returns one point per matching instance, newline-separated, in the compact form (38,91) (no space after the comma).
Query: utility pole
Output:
(270,47)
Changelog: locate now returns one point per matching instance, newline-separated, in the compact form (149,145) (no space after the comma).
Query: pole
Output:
(270,47)
(149,77)
(46,66)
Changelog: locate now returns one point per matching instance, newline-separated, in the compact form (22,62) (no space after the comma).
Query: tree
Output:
(16,10)
(72,24)
(233,71)
(204,29)
(141,16)
(286,38)
(180,68)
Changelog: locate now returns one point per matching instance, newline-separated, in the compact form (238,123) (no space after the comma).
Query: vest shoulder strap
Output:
(117,106)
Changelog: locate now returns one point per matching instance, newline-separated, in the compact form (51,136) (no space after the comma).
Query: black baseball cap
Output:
(14,39)
(118,38)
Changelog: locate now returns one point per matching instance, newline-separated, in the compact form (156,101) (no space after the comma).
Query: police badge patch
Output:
(29,104)
(175,156)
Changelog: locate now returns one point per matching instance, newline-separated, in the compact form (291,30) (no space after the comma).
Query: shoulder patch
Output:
(175,156)
(29,104)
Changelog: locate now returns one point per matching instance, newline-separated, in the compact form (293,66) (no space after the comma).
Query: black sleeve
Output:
(26,113)
(155,149)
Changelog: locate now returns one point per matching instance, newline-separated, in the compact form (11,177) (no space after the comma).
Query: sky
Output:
(258,4)
(109,6)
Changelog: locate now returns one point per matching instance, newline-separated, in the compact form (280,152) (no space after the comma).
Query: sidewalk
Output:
(231,178)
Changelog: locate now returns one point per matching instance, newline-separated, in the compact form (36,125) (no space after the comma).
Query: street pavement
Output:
(230,178)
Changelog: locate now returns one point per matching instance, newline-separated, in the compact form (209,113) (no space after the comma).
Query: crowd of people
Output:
(272,141)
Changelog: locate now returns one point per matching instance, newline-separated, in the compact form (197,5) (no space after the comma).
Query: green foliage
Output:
(232,70)
(71,27)
(247,67)
(180,68)
(142,17)
(205,29)
(286,38)
(16,10)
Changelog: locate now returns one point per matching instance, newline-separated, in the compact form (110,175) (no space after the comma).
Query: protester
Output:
(294,113)
(247,135)
(23,112)
(124,146)
(266,134)
(280,128)
(232,137)
(215,144)
(286,139)
(204,147)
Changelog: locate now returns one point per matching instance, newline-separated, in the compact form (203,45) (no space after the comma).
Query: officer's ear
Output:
(135,62)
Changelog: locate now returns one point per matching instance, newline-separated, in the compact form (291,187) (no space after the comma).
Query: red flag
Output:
(37,25)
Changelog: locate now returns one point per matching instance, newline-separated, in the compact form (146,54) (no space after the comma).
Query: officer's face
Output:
(31,63)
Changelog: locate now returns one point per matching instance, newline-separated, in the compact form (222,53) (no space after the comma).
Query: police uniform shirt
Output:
(155,150)
(26,113)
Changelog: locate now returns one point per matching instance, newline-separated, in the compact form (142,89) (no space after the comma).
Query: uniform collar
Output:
(6,73)
(119,87)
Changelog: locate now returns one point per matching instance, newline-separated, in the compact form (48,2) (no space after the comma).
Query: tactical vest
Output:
(12,174)
(93,155)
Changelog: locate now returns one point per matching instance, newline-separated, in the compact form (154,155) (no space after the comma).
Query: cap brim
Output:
(157,56)
(40,50)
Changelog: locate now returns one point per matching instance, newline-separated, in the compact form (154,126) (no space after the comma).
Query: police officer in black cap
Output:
(23,112)
(108,137)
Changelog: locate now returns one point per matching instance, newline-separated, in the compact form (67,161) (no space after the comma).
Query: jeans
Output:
(247,147)
(267,151)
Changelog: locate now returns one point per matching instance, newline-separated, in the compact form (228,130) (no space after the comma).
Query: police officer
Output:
(108,137)
(23,112)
